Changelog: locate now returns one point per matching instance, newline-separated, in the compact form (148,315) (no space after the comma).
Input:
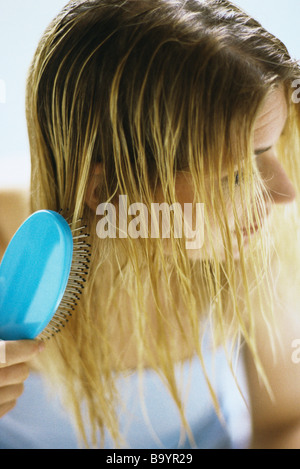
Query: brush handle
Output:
(34,274)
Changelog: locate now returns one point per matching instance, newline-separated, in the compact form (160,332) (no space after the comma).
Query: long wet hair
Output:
(148,90)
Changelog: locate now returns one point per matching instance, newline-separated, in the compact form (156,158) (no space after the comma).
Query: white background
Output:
(22,23)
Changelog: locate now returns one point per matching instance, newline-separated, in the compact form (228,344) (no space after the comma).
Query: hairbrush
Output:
(42,275)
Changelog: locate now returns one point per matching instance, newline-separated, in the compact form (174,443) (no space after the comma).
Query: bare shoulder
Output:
(14,209)
(273,412)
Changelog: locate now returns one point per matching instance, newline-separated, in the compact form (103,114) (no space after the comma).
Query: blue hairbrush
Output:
(41,276)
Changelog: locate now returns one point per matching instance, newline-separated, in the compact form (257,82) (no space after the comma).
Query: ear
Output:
(92,198)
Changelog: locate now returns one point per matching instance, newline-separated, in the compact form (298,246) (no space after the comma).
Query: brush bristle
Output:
(75,285)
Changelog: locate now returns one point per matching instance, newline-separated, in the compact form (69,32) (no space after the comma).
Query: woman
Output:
(168,102)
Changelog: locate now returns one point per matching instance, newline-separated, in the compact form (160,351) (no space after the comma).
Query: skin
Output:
(268,129)
(15,371)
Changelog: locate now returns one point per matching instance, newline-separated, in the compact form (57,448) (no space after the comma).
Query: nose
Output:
(276,180)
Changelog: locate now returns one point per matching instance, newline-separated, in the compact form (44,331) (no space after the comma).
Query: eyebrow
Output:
(262,150)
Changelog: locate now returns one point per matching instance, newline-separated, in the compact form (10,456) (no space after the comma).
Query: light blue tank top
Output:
(39,421)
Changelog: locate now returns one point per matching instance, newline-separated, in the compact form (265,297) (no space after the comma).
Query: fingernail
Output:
(41,346)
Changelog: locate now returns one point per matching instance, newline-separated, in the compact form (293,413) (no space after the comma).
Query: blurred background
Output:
(22,23)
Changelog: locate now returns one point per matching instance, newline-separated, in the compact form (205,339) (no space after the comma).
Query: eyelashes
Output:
(237,178)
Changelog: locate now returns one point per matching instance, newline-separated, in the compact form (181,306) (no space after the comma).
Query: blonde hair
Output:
(149,89)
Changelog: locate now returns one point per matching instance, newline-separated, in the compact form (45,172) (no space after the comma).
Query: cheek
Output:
(229,213)
(184,188)
(220,210)
(216,213)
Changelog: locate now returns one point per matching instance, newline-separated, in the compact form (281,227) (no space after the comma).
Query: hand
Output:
(15,370)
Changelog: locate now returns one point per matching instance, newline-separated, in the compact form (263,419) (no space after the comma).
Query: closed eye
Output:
(261,151)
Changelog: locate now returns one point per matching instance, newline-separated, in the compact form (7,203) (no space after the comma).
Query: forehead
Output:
(271,120)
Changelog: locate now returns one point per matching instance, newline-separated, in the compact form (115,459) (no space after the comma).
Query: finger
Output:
(14,374)
(21,351)
(11,393)
(5,408)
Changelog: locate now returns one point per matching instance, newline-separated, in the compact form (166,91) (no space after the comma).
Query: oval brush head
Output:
(41,276)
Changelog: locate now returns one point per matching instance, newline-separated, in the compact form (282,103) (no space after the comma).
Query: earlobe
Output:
(92,199)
